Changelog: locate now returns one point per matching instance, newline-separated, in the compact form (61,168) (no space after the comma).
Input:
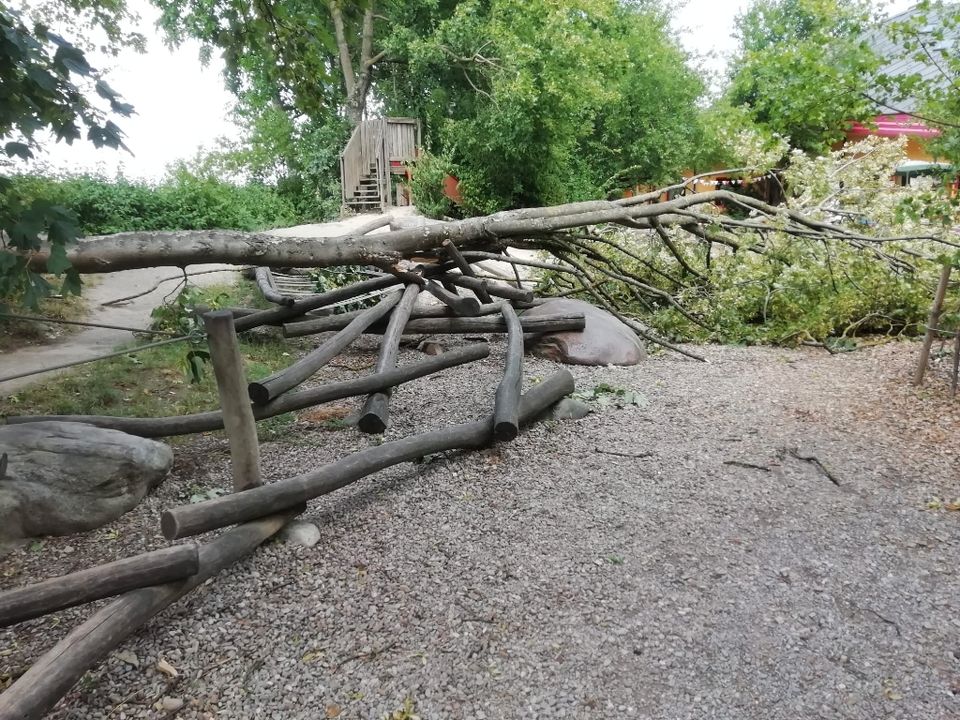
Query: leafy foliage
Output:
(183,201)
(804,68)
(45,83)
(537,103)
(775,287)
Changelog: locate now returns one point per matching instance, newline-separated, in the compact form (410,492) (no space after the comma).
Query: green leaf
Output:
(58,262)
(18,149)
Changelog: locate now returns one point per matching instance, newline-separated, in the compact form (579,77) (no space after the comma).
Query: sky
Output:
(182,106)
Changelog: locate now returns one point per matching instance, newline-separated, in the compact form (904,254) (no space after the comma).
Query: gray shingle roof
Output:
(901,63)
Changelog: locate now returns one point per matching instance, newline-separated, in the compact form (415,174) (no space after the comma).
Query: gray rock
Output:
(603,341)
(63,478)
(570,409)
(301,532)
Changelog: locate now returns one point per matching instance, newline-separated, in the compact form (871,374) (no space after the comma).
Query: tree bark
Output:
(152,568)
(506,412)
(376,408)
(269,388)
(237,416)
(466,325)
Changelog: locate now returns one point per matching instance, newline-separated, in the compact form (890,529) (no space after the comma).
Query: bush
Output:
(182,201)
(426,184)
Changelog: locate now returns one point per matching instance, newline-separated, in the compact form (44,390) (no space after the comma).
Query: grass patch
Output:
(154,382)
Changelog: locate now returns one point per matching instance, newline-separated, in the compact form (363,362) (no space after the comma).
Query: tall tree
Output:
(804,68)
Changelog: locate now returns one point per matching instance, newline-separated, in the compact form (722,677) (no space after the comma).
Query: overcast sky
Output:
(182,106)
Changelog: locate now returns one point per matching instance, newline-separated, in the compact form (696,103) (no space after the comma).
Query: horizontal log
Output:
(464,306)
(313,302)
(152,568)
(239,507)
(269,388)
(207,421)
(328,323)
(451,325)
(56,671)
(269,289)
(493,288)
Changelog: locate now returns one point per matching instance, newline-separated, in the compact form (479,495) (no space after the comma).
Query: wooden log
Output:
(152,568)
(493,324)
(328,323)
(204,422)
(457,257)
(435,324)
(463,306)
(494,288)
(376,408)
(54,673)
(269,289)
(933,324)
(269,388)
(506,410)
(238,418)
(304,305)
(239,507)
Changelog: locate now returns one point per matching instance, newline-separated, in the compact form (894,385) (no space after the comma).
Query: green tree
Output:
(46,84)
(804,68)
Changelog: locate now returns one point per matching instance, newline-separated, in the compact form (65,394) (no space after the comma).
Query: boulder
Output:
(63,477)
(604,340)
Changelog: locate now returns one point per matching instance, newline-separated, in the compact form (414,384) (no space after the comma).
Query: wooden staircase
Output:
(378,149)
(366,195)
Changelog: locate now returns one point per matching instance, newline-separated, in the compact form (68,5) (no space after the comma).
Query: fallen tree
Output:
(686,264)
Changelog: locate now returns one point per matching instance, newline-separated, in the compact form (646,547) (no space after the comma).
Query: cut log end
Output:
(505,431)
(373,417)
(259,394)
(169,525)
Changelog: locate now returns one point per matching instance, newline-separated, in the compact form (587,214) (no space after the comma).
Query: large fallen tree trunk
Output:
(239,507)
(125,251)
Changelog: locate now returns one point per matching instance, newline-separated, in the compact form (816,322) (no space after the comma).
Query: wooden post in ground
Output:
(933,323)
(232,387)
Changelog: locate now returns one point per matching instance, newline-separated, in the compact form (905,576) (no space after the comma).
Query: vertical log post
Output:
(232,387)
(933,323)
(506,413)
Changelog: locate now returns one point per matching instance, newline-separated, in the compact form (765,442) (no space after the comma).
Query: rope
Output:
(119,353)
(57,321)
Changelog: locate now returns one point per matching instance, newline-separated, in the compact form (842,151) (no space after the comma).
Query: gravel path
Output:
(677,560)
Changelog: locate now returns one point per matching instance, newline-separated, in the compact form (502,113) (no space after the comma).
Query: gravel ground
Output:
(672,560)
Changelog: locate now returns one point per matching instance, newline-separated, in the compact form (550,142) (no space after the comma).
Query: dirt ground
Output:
(767,536)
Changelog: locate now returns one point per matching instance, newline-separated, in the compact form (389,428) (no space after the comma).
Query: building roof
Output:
(901,63)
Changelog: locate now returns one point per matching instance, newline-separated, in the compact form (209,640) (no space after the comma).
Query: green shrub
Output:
(426,184)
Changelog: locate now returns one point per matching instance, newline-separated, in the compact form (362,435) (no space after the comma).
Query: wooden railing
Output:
(364,152)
